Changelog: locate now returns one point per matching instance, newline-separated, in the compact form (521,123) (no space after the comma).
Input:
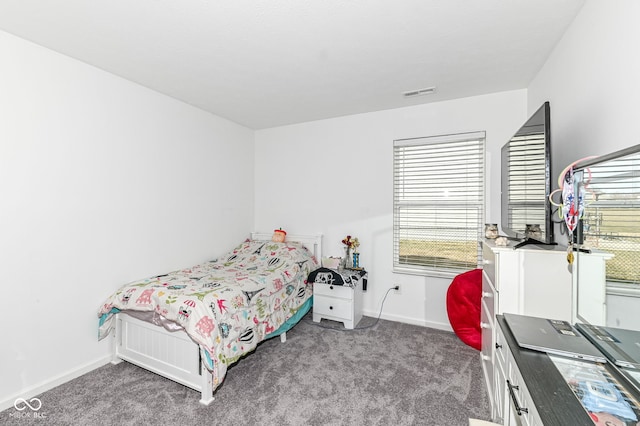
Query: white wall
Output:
(591,79)
(102,181)
(335,177)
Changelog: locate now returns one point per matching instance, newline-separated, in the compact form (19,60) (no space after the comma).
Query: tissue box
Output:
(331,262)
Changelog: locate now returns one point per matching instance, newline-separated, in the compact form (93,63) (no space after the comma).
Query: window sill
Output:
(423,273)
(623,290)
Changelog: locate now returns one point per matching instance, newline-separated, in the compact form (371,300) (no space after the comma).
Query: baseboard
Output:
(409,320)
(53,382)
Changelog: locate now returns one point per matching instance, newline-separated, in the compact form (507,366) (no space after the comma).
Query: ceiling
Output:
(266,63)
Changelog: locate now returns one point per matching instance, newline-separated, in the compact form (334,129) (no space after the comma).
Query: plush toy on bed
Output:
(279,235)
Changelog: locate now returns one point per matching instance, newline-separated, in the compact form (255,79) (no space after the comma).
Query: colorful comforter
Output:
(227,305)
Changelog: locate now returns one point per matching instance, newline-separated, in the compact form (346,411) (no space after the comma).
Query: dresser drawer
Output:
(489,295)
(486,351)
(489,263)
(520,398)
(501,348)
(487,328)
(500,387)
(332,307)
(333,291)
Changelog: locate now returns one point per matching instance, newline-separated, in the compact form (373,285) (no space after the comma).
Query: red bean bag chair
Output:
(463,307)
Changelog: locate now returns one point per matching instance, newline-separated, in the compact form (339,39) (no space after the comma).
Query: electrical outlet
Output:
(396,289)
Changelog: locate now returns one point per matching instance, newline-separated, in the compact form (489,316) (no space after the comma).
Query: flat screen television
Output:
(526,181)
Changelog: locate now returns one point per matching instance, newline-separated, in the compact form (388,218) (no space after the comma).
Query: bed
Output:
(191,325)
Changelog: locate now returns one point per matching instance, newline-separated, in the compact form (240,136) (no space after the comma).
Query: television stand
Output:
(528,241)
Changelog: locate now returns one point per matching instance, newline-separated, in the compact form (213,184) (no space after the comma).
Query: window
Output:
(438,203)
(610,218)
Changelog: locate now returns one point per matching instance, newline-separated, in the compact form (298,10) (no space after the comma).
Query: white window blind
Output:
(438,203)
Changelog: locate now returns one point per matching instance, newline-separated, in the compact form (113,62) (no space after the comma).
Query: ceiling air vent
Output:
(419,92)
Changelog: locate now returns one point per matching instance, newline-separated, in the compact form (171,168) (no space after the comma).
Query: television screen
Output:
(526,181)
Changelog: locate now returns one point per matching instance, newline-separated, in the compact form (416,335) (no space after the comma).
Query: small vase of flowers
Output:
(349,244)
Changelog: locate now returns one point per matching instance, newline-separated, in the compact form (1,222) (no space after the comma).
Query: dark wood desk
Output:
(554,400)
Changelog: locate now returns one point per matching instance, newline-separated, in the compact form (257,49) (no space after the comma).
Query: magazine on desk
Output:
(634,373)
(605,398)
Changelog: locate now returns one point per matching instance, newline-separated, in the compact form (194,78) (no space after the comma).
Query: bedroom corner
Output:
(103,181)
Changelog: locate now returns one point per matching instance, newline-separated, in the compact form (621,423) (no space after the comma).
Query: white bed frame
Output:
(172,354)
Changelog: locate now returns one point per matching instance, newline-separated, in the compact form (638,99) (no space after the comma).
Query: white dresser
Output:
(530,281)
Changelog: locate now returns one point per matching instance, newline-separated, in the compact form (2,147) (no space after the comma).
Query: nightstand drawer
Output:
(333,291)
(332,307)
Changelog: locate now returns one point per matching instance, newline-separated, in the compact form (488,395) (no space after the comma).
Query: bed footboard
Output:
(170,354)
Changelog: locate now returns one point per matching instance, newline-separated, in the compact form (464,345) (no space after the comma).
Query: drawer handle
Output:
(487,294)
(331,287)
(498,346)
(517,406)
(484,325)
(330,307)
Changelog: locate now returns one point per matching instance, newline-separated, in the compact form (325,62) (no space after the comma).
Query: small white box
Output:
(331,262)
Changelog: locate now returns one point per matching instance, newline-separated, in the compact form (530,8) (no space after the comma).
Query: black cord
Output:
(357,328)
(553,214)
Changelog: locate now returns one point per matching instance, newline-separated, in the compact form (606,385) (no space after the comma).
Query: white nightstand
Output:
(338,303)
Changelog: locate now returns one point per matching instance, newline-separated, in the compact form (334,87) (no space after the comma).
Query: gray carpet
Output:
(390,374)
